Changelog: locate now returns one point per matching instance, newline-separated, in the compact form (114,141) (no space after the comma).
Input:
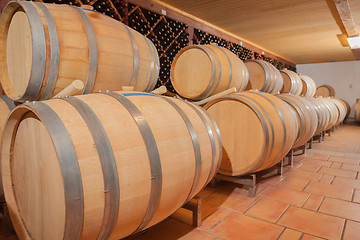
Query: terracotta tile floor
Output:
(319,198)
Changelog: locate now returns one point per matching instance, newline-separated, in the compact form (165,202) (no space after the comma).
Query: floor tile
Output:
(346,182)
(239,202)
(273,180)
(339,208)
(351,231)
(228,196)
(290,234)
(313,202)
(344,160)
(304,175)
(214,218)
(286,195)
(351,167)
(317,156)
(172,229)
(310,237)
(336,165)
(294,183)
(298,158)
(356,198)
(305,166)
(338,172)
(267,209)
(238,226)
(334,191)
(312,223)
(317,162)
(326,179)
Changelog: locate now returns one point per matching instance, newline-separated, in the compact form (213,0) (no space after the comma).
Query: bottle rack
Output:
(201,37)
(168,35)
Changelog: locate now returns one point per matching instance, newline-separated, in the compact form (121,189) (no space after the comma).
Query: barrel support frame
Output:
(249,181)
(290,155)
(195,206)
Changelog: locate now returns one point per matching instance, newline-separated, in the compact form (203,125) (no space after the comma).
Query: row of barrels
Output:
(200,71)
(100,166)
(95,166)
(258,129)
(68,43)
(91,165)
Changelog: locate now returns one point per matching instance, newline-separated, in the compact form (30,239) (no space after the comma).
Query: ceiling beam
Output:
(344,11)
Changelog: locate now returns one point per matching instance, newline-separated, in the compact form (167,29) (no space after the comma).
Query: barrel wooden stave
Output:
(254,135)
(113,41)
(131,157)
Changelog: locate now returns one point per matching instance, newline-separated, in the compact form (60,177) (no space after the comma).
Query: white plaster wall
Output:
(344,77)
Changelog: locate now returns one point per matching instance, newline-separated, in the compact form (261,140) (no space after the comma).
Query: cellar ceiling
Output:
(306,31)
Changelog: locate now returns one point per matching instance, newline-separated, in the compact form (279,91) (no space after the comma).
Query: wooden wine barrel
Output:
(325,91)
(111,163)
(62,43)
(357,110)
(341,108)
(6,106)
(264,76)
(307,115)
(257,131)
(348,108)
(292,82)
(308,86)
(279,81)
(333,111)
(200,71)
(322,113)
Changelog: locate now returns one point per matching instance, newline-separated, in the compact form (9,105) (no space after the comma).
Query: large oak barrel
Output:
(348,108)
(105,165)
(292,82)
(322,113)
(333,111)
(6,105)
(325,91)
(200,71)
(263,76)
(257,130)
(62,43)
(307,115)
(357,110)
(308,86)
(341,107)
